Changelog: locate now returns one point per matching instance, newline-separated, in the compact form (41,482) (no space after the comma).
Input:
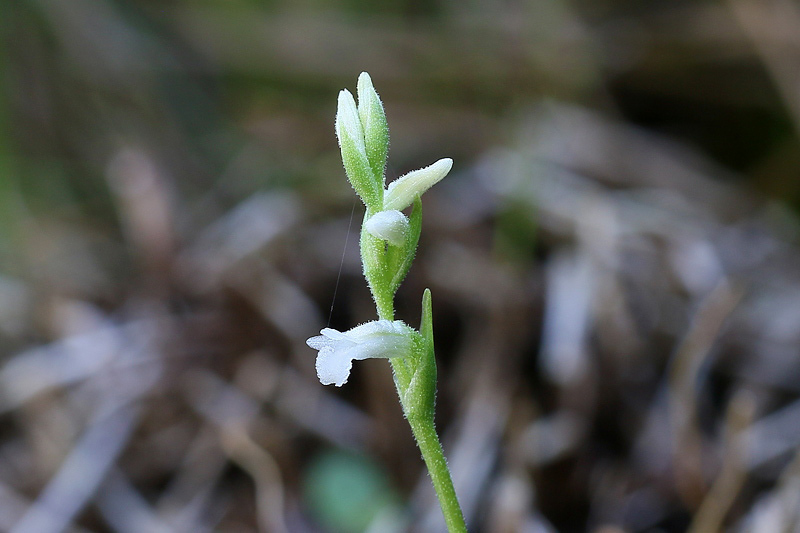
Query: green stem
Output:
(422,427)
(385,305)
(428,442)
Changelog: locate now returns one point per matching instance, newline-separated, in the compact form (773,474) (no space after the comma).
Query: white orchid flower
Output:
(338,350)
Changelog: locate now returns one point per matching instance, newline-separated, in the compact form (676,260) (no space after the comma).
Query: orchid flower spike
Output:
(388,242)
(337,350)
(364,142)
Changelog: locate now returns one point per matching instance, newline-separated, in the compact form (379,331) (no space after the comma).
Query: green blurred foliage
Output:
(346,492)
(230,97)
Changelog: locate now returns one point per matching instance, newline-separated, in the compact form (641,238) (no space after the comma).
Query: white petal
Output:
(369,328)
(380,338)
(402,191)
(319,342)
(376,327)
(391,226)
(387,346)
(334,334)
(332,368)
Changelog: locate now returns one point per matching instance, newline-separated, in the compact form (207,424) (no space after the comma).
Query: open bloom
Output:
(337,350)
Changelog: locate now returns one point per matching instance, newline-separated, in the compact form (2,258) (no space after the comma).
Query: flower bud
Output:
(373,120)
(391,226)
(354,152)
(402,191)
(348,123)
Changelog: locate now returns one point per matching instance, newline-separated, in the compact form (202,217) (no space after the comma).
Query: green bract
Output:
(417,385)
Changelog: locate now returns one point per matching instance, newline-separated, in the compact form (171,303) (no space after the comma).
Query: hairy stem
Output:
(428,442)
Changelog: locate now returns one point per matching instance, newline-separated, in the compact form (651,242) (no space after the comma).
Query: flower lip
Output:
(338,350)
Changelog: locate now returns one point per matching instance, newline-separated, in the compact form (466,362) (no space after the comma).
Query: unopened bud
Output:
(402,191)
(348,123)
(373,120)
(391,226)
(354,152)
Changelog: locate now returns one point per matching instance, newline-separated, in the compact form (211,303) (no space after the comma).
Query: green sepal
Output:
(399,258)
(418,394)
(376,130)
(360,174)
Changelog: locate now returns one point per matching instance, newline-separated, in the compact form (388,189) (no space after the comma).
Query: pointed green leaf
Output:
(420,395)
(426,320)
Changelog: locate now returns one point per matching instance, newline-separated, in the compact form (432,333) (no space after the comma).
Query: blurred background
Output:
(614,261)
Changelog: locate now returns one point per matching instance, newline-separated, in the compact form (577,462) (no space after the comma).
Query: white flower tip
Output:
(346,105)
(367,95)
(370,108)
(391,226)
(402,191)
(364,84)
(444,165)
(347,120)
